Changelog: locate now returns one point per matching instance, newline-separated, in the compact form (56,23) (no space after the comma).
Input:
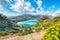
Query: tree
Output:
(2,17)
(4,21)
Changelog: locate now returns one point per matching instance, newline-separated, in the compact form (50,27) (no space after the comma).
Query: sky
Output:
(32,7)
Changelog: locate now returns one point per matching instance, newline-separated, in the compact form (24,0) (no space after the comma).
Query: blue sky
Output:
(34,7)
(46,4)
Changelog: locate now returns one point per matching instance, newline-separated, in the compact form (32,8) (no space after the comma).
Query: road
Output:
(32,36)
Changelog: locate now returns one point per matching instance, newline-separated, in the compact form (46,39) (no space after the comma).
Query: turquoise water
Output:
(27,23)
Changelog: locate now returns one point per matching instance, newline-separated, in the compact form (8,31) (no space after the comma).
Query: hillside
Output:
(4,23)
(52,33)
(7,28)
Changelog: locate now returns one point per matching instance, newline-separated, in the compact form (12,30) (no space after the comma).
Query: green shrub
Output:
(4,33)
(12,31)
(52,33)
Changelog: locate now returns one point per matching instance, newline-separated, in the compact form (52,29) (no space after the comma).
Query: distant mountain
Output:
(27,16)
(24,17)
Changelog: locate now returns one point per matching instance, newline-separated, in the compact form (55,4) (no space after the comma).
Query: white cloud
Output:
(48,13)
(2,11)
(18,6)
(56,13)
(28,7)
(41,9)
(8,1)
(4,2)
(21,7)
(1,8)
(25,7)
(8,14)
(39,2)
(28,4)
(53,6)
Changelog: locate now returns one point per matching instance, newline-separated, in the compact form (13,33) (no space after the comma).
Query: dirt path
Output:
(33,36)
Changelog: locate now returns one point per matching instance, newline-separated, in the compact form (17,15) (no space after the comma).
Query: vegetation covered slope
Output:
(4,22)
(52,33)
(43,23)
(5,25)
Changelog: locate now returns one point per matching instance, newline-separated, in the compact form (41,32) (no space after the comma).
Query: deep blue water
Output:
(28,23)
